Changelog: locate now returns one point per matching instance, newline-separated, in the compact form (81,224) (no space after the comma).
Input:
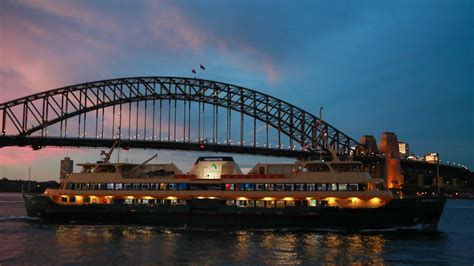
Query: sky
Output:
(375,66)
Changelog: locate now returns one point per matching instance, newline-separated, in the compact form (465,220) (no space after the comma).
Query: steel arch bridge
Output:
(96,114)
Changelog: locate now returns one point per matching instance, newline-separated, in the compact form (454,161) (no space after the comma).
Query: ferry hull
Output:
(419,213)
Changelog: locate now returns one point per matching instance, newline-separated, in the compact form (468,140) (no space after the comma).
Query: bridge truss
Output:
(170,113)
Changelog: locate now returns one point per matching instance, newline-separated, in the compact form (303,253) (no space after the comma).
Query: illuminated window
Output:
(230,202)
(310,187)
(110,186)
(280,204)
(86,186)
(72,199)
(260,203)
(269,187)
(259,187)
(332,187)
(229,186)
(145,186)
(154,186)
(342,187)
(241,203)
(321,187)
(251,203)
(353,187)
(270,203)
(173,186)
(77,186)
(290,203)
(128,201)
(279,187)
(136,186)
(163,186)
(128,186)
(182,186)
(299,187)
(289,187)
(249,187)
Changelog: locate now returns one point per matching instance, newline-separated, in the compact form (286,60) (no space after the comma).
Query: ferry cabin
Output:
(304,183)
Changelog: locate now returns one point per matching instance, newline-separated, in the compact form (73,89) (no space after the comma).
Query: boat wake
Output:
(17,218)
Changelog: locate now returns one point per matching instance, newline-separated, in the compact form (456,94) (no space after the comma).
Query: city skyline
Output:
(375,67)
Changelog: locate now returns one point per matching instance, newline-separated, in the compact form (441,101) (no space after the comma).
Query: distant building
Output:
(403,149)
(431,157)
(66,168)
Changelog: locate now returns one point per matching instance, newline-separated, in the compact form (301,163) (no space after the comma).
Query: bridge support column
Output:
(389,146)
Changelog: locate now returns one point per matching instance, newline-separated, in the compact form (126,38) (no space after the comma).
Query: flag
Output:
(202,67)
(194,71)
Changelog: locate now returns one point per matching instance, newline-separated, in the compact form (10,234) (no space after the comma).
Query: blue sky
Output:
(400,66)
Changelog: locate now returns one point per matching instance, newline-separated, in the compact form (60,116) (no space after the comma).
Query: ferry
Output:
(306,194)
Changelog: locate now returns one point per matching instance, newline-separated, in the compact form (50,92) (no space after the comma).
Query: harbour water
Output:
(27,241)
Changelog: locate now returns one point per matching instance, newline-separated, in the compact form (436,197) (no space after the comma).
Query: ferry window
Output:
(342,187)
(229,186)
(280,204)
(105,169)
(321,187)
(240,187)
(260,203)
(213,187)
(290,203)
(110,186)
(299,187)
(289,187)
(269,187)
(163,186)
(279,187)
(310,187)
(230,202)
(154,186)
(249,187)
(145,186)
(63,199)
(87,199)
(332,187)
(270,203)
(136,186)
(102,186)
(260,187)
(72,199)
(144,201)
(261,170)
(362,187)
(241,203)
(353,187)
(127,186)
(313,202)
(173,202)
(251,203)
(86,186)
(118,186)
(94,186)
(128,201)
(317,168)
(324,203)
(77,186)
(69,185)
(173,186)
(182,186)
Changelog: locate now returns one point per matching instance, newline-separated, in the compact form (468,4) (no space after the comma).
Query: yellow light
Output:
(288,198)
(171,198)
(200,197)
(242,198)
(127,197)
(309,198)
(147,197)
(212,197)
(268,198)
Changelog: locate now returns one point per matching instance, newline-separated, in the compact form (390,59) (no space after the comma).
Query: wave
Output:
(17,218)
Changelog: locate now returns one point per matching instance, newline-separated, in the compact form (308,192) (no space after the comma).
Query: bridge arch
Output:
(35,113)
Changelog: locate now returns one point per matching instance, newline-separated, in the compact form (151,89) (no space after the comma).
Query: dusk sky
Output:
(399,66)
